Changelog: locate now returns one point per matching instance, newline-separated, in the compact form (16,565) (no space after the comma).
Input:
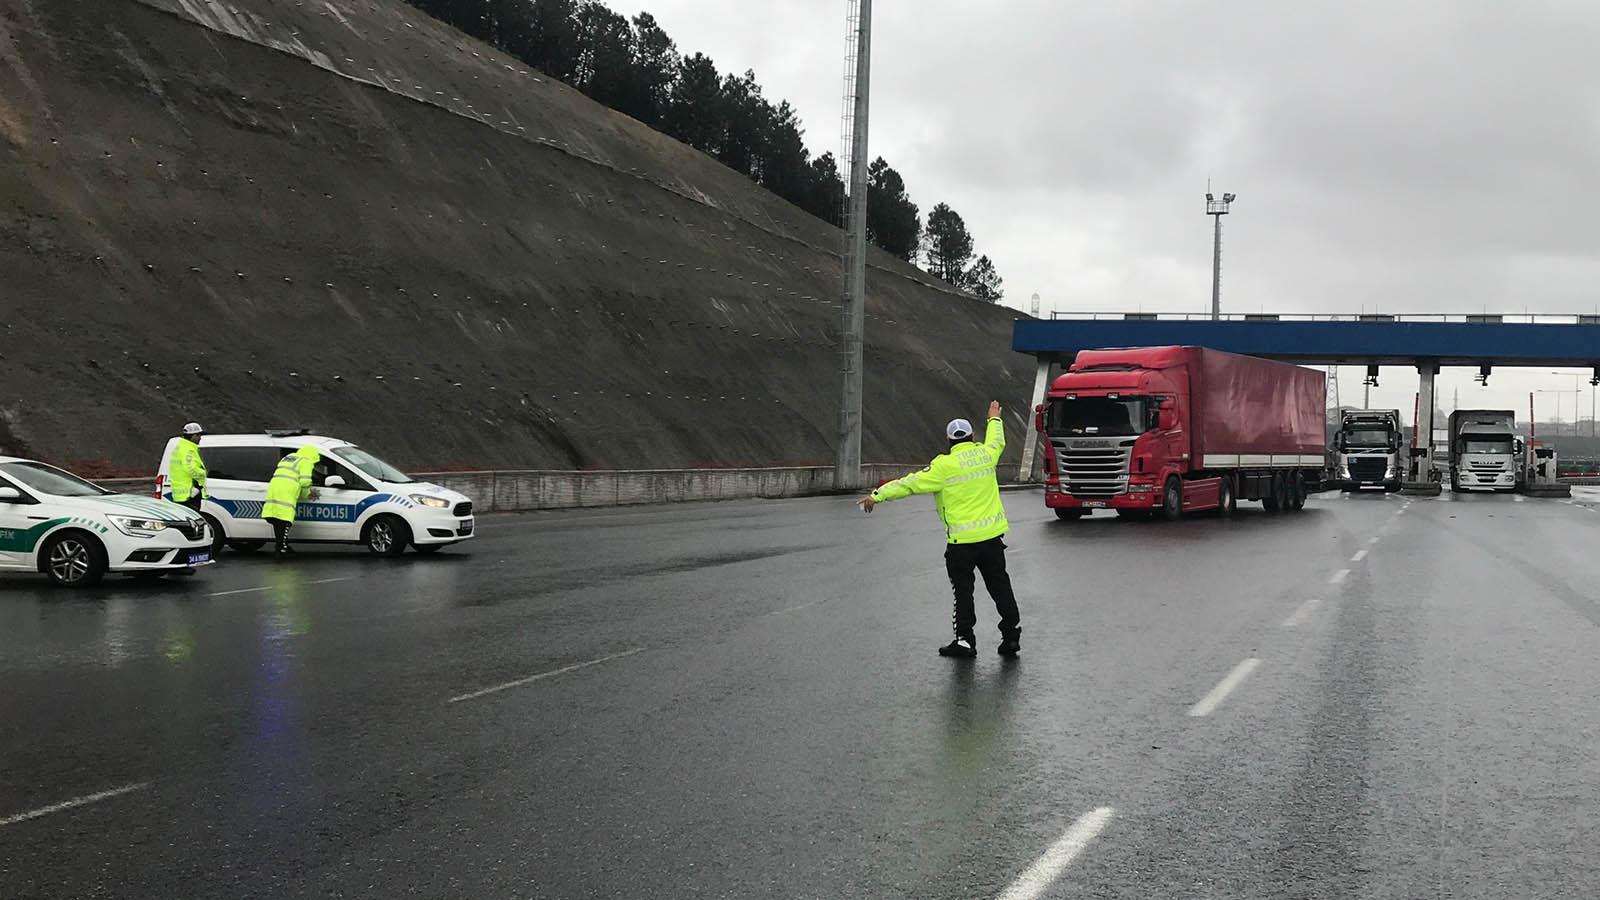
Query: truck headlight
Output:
(133,526)
(431,501)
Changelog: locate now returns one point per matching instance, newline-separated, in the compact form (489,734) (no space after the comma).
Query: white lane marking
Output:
(1519,498)
(1047,868)
(275,587)
(1360,555)
(542,675)
(1301,613)
(73,803)
(1338,576)
(779,612)
(1224,687)
(1372,540)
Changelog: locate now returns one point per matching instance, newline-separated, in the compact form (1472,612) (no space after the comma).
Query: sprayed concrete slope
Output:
(349,216)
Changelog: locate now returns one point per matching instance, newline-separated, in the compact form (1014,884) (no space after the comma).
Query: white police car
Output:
(54,522)
(357,498)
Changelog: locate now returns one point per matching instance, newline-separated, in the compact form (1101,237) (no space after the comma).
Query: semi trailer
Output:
(1173,430)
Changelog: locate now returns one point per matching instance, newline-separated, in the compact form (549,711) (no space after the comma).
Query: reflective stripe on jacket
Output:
(965,487)
(290,484)
(187,471)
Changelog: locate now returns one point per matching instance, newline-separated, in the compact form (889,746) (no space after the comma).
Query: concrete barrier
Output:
(516,490)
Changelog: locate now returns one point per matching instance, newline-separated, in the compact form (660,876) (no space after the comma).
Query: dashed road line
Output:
(1037,878)
(1338,576)
(1232,680)
(1374,539)
(1360,555)
(276,587)
(74,803)
(494,689)
(790,609)
(1300,614)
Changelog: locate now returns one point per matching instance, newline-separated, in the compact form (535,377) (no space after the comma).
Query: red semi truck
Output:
(1171,430)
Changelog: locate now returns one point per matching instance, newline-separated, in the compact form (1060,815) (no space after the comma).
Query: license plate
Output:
(199,557)
(1095,504)
(466,527)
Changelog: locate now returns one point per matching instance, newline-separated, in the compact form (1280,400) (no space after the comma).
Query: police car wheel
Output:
(387,536)
(218,536)
(74,559)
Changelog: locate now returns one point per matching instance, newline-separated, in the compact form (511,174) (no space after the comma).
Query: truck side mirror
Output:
(1038,418)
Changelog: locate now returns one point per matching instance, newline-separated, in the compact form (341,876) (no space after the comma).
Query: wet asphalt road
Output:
(742,700)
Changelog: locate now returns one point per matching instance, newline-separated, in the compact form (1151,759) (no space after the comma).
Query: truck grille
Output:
(1092,471)
(1368,468)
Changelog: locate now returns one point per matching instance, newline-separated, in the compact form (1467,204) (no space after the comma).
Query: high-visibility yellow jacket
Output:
(187,471)
(290,484)
(964,486)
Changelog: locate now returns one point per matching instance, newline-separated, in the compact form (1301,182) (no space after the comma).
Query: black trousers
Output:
(193,502)
(280,531)
(989,558)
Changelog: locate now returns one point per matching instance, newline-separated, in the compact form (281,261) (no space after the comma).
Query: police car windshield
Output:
(373,467)
(50,480)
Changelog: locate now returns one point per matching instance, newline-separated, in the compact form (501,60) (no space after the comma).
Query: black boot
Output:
(1010,643)
(962,647)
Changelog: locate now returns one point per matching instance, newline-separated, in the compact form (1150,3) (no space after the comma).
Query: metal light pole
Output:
(847,462)
(1216,209)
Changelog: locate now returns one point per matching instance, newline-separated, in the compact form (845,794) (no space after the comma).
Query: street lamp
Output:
(1216,209)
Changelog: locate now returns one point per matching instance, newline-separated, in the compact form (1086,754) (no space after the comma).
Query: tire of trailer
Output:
(1273,501)
(1297,491)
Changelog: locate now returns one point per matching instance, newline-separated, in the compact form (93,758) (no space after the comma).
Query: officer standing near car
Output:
(967,495)
(188,470)
(290,484)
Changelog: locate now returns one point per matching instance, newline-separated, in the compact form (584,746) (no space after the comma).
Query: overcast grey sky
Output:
(1417,156)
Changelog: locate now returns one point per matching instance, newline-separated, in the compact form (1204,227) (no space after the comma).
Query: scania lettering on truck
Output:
(1483,450)
(1172,430)
(1368,443)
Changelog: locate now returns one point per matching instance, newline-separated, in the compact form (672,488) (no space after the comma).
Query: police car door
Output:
(17,515)
(332,516)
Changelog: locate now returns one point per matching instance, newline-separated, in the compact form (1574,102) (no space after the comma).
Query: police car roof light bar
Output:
(287,432)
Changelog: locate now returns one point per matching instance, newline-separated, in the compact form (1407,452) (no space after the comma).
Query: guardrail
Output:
(523,490)
(1468,318)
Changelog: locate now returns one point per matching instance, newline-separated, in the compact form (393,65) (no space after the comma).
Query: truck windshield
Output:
(1097,415)
(50,480)
(1486,444)
(1367,437)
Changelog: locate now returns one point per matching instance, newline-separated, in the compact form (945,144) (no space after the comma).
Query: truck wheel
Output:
(1273,501)
(387,535)
(1226,501)
(1297,492)
(1172,500)
(1070,515)
(73,559)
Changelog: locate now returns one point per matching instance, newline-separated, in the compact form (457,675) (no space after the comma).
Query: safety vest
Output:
(290,484)
(188,471)
(965,487)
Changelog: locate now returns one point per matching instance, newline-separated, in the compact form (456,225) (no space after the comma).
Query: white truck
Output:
(1483,450)
(1368,444)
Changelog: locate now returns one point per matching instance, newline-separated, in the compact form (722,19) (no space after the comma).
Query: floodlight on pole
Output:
(1216,209)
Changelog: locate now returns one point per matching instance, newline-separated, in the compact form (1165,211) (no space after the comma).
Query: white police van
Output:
(356,497)
(54,522)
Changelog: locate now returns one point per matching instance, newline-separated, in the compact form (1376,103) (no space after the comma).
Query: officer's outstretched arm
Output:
(926,481)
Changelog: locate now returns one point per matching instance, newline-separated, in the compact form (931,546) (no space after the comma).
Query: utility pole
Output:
(858,67)
(1216,209)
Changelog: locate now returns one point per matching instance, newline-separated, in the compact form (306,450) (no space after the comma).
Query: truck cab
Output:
(1483,451)
(1368,446)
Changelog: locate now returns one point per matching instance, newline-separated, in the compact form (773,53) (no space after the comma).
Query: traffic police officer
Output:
(290,484)
(188,470)
(967,495)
